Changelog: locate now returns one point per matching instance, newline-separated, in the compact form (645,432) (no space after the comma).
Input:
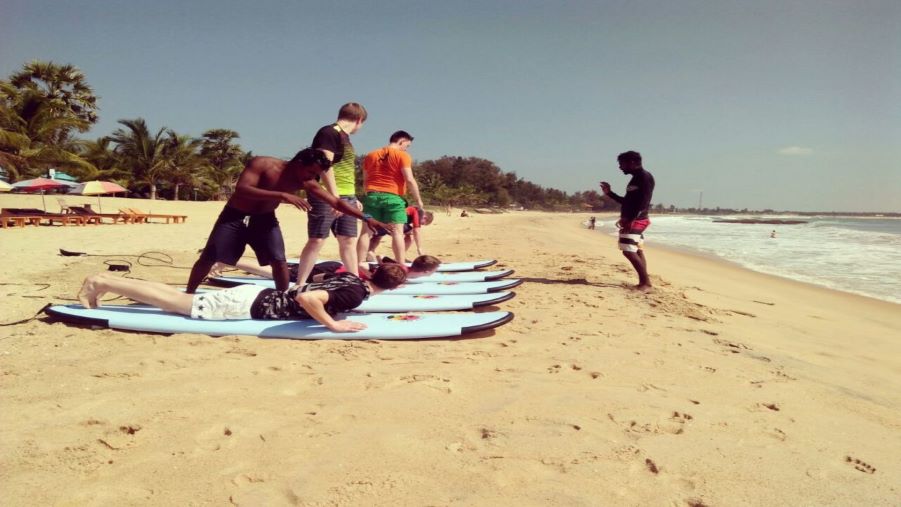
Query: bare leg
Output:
(198,273)
(397,243)
(347,249)
(281,275)
(155,294)
(640,264)
(308,258)
(363,244)
(408,242)
(373,246)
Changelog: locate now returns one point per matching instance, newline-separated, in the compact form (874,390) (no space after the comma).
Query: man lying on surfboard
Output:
(424,265)
(320,300)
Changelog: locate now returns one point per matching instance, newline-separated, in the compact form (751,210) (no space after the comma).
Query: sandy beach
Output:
(722,387)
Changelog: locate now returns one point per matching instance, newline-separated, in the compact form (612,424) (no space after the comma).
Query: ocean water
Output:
(859,255)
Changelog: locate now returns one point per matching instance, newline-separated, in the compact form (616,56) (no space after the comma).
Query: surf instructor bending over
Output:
(633,219)
(248,217)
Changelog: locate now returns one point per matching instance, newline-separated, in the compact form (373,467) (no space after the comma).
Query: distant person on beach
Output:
(773,234)
(248,217)
(591,222)
(321,301)
(416,219)
(387,173)
(464,213)
(340,182)
(633,219)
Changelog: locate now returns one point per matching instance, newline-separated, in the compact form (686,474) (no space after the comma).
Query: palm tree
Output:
(64,86)
(224,157)
(141,152)
(34,135)
(101,155)
(181,160)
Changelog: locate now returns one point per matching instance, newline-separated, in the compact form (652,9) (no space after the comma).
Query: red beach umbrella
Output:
(38,185)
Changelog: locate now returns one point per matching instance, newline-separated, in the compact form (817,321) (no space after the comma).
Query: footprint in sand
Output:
(860,465)
(215,438)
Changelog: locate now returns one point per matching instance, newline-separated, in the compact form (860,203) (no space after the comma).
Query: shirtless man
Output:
(321,301)
(248,217)
(633,219)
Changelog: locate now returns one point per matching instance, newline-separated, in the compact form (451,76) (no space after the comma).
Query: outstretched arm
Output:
(248,188)
(313,188)
(314,303)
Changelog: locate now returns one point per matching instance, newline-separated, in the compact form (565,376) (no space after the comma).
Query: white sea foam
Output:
(862,256)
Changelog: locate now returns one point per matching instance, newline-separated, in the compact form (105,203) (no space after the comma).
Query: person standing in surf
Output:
(340,181)
(633,219)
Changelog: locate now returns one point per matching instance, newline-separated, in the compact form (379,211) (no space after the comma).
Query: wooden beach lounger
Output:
(145,217)
(32,216)
(86,212)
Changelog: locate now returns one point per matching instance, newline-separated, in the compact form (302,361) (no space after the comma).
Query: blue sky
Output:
(769,104)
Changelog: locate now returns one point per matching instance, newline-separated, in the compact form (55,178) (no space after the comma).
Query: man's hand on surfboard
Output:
(347,326)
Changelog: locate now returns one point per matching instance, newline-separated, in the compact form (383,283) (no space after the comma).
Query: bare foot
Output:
(644,287)
(90,292)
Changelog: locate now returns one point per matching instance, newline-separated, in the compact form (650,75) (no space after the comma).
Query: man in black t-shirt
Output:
(322,220)
(321,301)
(633,218)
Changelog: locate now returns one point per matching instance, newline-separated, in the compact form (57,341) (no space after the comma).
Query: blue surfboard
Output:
(381,326)
(447,267)
(406,289)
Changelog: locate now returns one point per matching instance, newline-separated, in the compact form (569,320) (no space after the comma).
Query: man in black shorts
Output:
(340,181)
(321,301)
(633,219)
(249,215)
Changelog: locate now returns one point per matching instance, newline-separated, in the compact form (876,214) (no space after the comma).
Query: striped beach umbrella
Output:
(38,185)
(98,188)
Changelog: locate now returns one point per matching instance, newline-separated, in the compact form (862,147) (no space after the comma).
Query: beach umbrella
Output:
(98,188)
(5,187)
(38,185)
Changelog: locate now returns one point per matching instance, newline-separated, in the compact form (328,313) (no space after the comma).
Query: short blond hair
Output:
(352,111)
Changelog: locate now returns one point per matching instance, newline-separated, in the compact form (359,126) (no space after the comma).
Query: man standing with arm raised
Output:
(334,140)
(633,218)
(386,174)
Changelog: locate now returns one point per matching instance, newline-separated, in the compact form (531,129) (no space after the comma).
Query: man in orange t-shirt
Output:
(387,172)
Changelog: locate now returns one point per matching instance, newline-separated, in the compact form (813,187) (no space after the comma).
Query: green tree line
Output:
(45,106)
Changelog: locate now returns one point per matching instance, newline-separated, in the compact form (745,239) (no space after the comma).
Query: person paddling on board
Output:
(416,218)
(321,301)
(633,219)
(424,265)
(248,217)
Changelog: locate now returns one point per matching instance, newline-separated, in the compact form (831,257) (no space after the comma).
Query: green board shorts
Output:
(385,207)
